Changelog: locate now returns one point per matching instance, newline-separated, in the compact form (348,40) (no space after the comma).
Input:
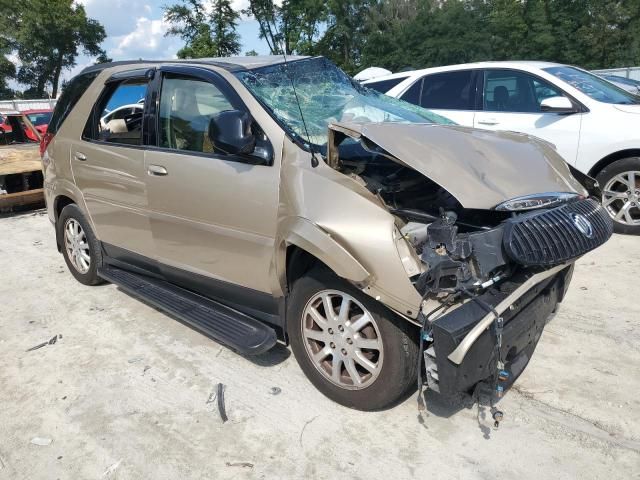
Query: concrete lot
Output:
(124,392)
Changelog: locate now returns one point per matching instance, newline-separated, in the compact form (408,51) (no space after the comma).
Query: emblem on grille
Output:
(582,224)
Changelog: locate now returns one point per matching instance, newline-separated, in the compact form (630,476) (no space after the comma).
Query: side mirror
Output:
(230,132)
(557,105)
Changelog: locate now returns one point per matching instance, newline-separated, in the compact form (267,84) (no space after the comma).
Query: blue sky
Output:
(135,29)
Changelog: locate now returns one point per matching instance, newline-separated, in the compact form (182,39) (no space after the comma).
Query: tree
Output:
(251,53)
(47,36)
(7,72)
(206,34)
(292,27)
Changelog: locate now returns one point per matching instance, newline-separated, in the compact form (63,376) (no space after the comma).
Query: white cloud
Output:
(147,40)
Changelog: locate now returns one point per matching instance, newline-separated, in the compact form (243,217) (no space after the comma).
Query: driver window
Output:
(186,105)
(514,91)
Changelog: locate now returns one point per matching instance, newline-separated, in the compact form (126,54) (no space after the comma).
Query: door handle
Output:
(157,170)
(80,156)
(488,121)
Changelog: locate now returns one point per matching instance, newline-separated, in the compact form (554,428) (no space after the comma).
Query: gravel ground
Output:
(125,392)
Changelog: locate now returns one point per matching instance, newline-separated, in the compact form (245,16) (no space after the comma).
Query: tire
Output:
(615,198)
(396,361)
(70,217)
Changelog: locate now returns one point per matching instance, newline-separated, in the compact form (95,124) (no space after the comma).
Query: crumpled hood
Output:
(480,168)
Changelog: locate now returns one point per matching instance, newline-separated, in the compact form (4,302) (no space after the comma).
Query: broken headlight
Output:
(538,200)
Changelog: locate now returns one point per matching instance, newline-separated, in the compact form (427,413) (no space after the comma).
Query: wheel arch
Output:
(613,157)
(59,203)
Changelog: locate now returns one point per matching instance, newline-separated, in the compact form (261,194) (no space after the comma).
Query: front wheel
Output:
(620,183)
(353,349)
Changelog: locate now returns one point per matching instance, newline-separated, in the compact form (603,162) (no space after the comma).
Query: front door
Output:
(213,215)
(108,168)
(511,101)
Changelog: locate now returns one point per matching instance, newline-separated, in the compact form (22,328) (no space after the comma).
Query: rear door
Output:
(511,101)
(108,167)
(213,215)
(450,94)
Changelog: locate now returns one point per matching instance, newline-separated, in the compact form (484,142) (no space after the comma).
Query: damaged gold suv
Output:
(264,199)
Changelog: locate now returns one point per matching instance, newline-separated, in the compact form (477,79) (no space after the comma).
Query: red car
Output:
(40,119)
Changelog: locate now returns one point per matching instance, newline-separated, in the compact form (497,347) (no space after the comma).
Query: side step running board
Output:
(238,331)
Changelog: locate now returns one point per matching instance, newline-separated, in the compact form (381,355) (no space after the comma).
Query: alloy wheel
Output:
(77,246)
(342,339)
(621,198)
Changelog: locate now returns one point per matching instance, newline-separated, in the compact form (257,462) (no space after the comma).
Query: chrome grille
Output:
(550,237)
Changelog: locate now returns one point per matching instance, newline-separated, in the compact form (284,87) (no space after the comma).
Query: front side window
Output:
(119,113)
(593,86)
(186,108)
(449,91)
(515,91)
(324,94)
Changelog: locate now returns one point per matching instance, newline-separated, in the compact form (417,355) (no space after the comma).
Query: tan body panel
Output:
(488,167)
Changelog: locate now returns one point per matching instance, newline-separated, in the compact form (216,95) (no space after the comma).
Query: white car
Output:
(593,124)
(119,114)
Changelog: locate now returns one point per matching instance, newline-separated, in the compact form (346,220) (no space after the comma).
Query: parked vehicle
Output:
(628,84)
(117,115)
(40,120)
(343,222)
(593,124)
(20,166)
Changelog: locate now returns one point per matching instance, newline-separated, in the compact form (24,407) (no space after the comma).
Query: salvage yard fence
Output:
(21,105)
(627,72)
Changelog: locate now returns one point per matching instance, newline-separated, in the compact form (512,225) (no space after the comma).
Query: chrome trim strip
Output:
(457,356)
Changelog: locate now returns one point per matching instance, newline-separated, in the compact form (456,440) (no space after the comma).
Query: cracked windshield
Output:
(327,95)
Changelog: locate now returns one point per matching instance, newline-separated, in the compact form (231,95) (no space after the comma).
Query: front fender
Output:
(319,243)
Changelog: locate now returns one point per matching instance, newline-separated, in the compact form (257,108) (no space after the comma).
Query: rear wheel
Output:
(80,247)
(353,349)
(620,183)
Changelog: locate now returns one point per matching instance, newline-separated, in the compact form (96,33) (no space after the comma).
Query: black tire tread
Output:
(91,277)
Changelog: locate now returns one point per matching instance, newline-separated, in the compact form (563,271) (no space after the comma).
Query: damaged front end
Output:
(494,258)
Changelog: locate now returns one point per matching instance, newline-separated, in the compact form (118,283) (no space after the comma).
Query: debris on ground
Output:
(221,406)
(146,367)
(112,468)
(240,464)
(275,390)
(41,441)
(51,341)
(135,359)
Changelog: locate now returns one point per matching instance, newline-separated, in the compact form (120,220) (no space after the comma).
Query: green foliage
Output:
(423,33)
(207,32)
(47,36)
(294,24)
(251,53)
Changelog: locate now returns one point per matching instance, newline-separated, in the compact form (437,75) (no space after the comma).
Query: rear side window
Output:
(449,90)
(412,95)
(383,86)
(118,114)
(70,96)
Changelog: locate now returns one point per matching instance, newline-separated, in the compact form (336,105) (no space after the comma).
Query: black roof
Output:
(232,64)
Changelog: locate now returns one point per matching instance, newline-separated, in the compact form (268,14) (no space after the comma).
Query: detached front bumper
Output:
(453,368)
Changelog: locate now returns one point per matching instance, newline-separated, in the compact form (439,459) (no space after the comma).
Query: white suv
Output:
(593,124)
